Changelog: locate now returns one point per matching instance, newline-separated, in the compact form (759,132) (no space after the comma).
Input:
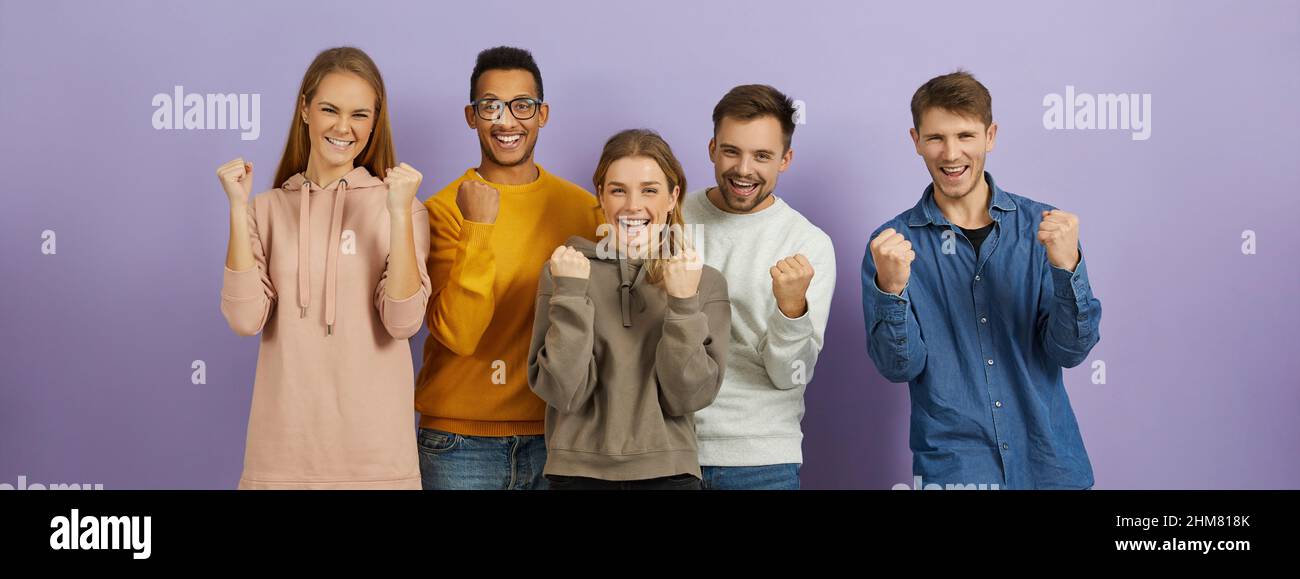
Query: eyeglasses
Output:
(523,108)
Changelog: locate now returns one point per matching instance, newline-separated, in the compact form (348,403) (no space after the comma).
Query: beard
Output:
(737,203)
(975,175)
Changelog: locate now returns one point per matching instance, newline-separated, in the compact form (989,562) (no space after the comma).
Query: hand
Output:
(1059,233)
(682,274)
(478,201)
(790,279)
(237,179)
(893,256)
(403,181)
(569,262)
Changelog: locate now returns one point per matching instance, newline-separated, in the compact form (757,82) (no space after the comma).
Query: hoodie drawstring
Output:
(331,254)
(625,288)
(304,248)
(332,259)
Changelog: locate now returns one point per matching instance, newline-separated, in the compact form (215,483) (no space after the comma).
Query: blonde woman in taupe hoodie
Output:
(631,333)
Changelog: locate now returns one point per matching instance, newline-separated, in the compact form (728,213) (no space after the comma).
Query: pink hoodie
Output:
(333,398)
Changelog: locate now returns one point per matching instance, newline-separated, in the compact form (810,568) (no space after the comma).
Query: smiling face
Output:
(507,141)
(635,196)
(748,156)
(340,119)
(953,147)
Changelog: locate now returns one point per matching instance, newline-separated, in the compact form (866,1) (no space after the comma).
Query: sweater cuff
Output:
(475,235)
(242,285)
(683,307)
(570,286)
(406,312)
(790,328)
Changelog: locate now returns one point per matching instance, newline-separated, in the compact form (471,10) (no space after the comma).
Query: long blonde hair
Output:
(647,143)
(378,156)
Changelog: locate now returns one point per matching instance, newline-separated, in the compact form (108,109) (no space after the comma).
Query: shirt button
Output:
(998,404)
(977,278)
(1005,446)
(984,320)
(990,361)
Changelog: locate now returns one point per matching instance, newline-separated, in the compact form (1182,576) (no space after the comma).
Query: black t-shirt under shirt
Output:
(977,236)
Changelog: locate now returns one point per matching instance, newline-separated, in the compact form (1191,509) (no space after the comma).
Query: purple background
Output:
(1198,339)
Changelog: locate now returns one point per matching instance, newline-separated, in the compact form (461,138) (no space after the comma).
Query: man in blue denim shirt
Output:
(977,298)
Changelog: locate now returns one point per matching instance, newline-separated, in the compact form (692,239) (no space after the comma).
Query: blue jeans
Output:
(773,477)
(450,461)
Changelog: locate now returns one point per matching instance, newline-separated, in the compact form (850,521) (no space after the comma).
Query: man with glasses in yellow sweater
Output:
(492,228)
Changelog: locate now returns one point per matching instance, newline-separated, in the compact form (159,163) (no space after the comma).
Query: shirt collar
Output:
(926,211)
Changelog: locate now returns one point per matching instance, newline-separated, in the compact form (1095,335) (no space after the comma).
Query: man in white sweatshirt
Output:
(780,271)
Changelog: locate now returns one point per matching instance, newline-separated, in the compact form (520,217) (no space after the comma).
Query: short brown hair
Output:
(957,92)
(751,101)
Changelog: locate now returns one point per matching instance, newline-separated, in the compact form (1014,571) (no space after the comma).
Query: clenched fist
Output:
(893,256)
(790,279)
(1059,233)
(478,201)
(569,262)
(682,274)
(403,181)
(237,179)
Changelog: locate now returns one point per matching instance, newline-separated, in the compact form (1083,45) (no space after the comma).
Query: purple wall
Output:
(1197,338)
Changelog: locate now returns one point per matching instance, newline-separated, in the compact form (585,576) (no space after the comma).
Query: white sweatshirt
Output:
(755,419)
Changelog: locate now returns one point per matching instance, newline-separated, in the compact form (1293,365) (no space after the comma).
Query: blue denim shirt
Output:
(981,341)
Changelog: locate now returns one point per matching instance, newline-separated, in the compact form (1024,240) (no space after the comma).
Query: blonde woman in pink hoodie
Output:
(330,267)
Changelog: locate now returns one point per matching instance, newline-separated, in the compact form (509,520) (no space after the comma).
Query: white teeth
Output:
(338,142)
(633,225)
(953,170)
(507,138)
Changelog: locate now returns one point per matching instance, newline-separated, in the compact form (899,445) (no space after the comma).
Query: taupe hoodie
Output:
(623,366)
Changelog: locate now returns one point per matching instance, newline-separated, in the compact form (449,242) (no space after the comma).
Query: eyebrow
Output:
(643,183)
(330,104)
(959,133)
(731,146)
(489,95)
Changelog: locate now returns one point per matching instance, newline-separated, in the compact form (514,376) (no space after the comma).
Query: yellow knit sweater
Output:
(474,380)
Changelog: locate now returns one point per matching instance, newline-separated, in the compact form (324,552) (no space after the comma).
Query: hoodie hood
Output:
(357,178)
(631,273)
